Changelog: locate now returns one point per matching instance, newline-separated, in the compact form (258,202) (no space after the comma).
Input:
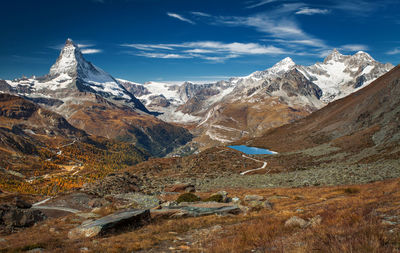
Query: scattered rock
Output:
(180,188)
(114,184)
(136,200)
(17,217)
(195,210)
(236,200)
(225,198)
(258,205)
(164,213)
(248,198)
(216,228)
(116,221)
(88,215)
(169,203)
(98,202)
(20,203)
(388,222)
(268,205)
(315,221)
(35,250)
(256,202)
(209,208)
(2,240)
(296,222)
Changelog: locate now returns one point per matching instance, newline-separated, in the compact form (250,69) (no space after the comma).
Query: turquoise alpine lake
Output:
(252,150)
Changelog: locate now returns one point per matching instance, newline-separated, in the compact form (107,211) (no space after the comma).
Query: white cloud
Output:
(354,47)
(163,56)
(359,7)
(311,11)
(202,14)
(236,47)
(394,51)
(260,3)
(147,46)
(91,51)
(278,22)
(282,28)
(199,51)
(181,18)
(85,45)
(207,50)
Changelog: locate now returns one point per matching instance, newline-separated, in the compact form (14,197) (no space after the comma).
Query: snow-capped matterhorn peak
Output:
(69,60)
(72,63)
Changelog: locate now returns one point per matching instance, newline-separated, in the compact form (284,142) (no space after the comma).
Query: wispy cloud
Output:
(163,56)
(260,3)
(311,11)
(86,48)
(85,45)
(148,46)
(91,51)
(180,17)
(359,7)
(235,47)
(354,47)
(279,26)
(316,43)
(208,50)
(394,51)
(201,14)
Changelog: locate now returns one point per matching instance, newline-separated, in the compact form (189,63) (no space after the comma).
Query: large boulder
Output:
(180,188)
(17,217)
(131,218)
(296,222)
(195,210)
(20,203)
(114,184)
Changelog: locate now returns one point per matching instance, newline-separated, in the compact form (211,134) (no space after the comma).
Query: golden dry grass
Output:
(351,222)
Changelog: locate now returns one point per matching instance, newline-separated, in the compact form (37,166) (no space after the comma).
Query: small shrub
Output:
(188,197)
(351,190)
(215,197)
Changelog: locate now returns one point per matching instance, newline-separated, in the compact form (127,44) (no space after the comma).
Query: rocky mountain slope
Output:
(366,121)
(92,100)
(226,111)
(40,152)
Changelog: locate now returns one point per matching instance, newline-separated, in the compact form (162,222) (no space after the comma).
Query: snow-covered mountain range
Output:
(268,98)
(222,111)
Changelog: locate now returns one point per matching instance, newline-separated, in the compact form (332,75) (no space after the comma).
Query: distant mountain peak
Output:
(364,56)
(335,55)
(69,60)
(283,65)
(286,61)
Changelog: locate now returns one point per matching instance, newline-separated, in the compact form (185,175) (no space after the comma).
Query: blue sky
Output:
(176,40)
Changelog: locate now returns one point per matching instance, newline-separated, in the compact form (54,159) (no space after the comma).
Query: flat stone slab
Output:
(196,210)
(118,220)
